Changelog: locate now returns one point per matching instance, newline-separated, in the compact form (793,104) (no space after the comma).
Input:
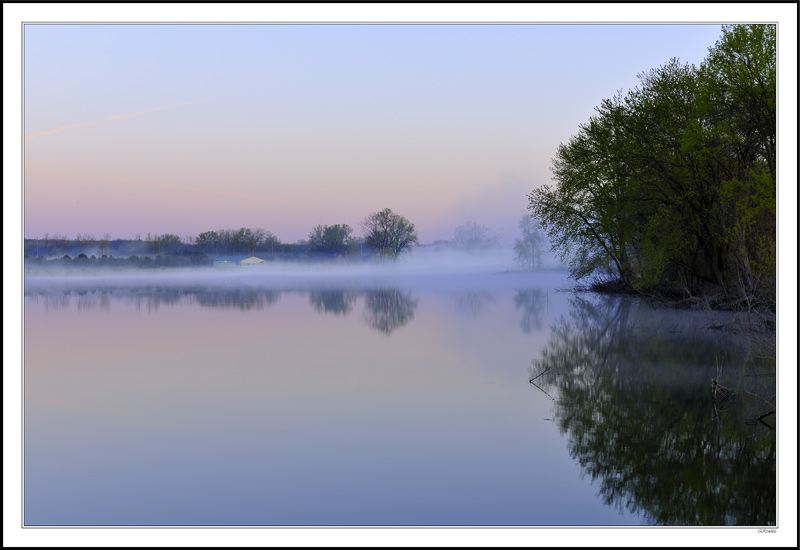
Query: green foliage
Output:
(674,182)
(587,216)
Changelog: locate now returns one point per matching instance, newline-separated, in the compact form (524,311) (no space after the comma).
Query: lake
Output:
(334,398)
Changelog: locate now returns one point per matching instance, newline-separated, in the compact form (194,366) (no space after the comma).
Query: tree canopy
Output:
(673,184)
(233,241)
(389,234)
(335,238)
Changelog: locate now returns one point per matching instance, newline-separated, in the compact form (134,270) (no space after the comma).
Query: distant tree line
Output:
(671,188)
(387,236)
(236,241)
(187,258)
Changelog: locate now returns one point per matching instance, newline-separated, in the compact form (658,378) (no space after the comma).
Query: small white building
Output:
(238,261)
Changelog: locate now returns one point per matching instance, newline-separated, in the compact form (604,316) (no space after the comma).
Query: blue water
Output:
(317,401)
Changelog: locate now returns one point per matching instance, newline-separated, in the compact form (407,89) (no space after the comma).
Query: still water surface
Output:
(456,400)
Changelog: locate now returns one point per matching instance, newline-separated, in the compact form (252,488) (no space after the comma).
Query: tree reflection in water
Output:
(533,302)
(239,298)
(473,303)
(636,405)
(336,302)
(152,297)
(386,310)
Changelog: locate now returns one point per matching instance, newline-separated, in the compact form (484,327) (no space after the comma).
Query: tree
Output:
(152,242)
(587,214)
(740,77)
(207,241)
(529,249)
(473,236)
(673,184)
(243,240)
(168,242)
(232,241)
(388,234)
(267,241)
(740,97)
(331,238)
(316,238)
(105,245)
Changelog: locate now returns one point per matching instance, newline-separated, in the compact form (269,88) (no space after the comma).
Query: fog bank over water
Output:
(495,266)
(296,279)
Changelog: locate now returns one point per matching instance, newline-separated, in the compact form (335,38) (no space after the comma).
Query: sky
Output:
(184,128)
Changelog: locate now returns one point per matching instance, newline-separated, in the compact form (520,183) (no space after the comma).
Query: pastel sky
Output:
(184,128)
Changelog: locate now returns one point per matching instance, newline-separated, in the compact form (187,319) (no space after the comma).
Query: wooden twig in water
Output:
(540,389)
(541,373)
(764,423)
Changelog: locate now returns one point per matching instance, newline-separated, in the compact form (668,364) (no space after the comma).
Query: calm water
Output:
(454,399)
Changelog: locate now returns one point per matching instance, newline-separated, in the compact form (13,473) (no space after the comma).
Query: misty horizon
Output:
(421,260)
(444,237)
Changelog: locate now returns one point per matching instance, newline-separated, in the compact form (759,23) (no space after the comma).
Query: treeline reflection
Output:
(333,301)
(385,308)
(633,396)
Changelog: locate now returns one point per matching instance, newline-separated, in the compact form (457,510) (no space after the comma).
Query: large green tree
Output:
(673,183)
(740,100)
(587,215)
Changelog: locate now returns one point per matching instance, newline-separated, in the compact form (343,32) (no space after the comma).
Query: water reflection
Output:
(473,303)
(533,303)
(386,310)
(634,399)
(151,298)
(237,298)
(335,302)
